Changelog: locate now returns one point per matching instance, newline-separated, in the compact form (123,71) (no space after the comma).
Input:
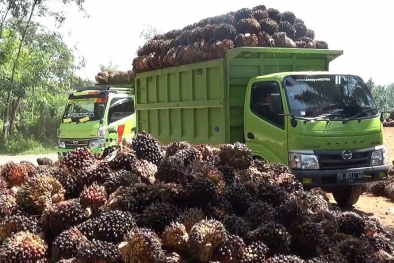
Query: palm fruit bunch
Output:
(145,202)
(384,189)
(389,121)
(24,246)
(115,77)
(79,159)
(16,173)
(44,161)
(212,37)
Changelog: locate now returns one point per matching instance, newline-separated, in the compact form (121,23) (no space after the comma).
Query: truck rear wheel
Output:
(347,196)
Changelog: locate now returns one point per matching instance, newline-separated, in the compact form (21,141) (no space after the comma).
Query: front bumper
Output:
(327,178)
(61,152)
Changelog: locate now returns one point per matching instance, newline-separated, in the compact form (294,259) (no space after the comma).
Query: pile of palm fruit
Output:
(382,188)
(210,38)
(144,202)
(389,122)
(115,77)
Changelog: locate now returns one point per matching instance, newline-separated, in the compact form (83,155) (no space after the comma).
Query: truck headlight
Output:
(62,144)
(303,161)
(378,156)
(99,143)
(101,132)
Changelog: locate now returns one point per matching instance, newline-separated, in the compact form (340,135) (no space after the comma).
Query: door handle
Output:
(250,135)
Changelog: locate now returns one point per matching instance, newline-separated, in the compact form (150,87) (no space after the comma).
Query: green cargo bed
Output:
(203,102)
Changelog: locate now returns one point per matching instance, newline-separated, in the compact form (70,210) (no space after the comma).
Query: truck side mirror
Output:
(276,101)
(100,110)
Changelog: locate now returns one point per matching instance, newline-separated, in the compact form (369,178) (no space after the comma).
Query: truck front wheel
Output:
(347,196)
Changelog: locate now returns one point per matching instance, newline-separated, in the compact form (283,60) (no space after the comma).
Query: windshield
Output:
(341,96)
(86,107)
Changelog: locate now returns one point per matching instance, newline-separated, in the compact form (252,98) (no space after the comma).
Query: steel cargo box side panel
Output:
(244,64)
(183,103)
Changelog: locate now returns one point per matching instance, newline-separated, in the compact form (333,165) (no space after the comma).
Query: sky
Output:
(359,28)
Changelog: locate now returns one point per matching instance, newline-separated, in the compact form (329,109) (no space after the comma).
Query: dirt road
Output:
(377,207)
(389,142)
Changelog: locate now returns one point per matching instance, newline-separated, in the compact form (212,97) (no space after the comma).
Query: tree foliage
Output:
(384,96)
(36,68)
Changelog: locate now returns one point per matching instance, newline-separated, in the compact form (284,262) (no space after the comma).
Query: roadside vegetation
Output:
(36,71)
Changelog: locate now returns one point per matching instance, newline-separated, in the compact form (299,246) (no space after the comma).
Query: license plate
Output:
(350,177)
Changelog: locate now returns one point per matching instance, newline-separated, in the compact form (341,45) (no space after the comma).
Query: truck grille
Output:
(70,143)
(330,160)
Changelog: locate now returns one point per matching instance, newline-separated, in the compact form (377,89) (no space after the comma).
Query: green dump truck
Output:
(283,103)
(96,117)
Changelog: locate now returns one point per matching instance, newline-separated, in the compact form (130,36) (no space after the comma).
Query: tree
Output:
(15,8)
(383,95)
(45,70)
(370,84)
(23,15)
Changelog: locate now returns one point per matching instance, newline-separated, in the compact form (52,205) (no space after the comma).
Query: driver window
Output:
(120,108)
(260,102)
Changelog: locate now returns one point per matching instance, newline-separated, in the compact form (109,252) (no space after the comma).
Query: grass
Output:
(39,150)
(16,145)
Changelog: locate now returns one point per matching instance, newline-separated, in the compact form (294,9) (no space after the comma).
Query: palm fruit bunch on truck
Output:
(211,37)
(115,77)
(145,202)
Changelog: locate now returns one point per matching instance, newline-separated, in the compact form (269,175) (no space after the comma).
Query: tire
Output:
(347,196)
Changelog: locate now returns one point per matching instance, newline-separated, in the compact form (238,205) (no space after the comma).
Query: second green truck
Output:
(283,103)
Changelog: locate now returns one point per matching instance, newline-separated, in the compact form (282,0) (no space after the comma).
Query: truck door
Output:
(265,130)
(120,119)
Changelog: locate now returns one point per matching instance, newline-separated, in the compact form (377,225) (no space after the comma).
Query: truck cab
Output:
(97,116)
(324,126)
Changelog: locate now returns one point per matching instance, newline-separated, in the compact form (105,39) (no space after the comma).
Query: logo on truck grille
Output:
(75,141)
(347,155)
